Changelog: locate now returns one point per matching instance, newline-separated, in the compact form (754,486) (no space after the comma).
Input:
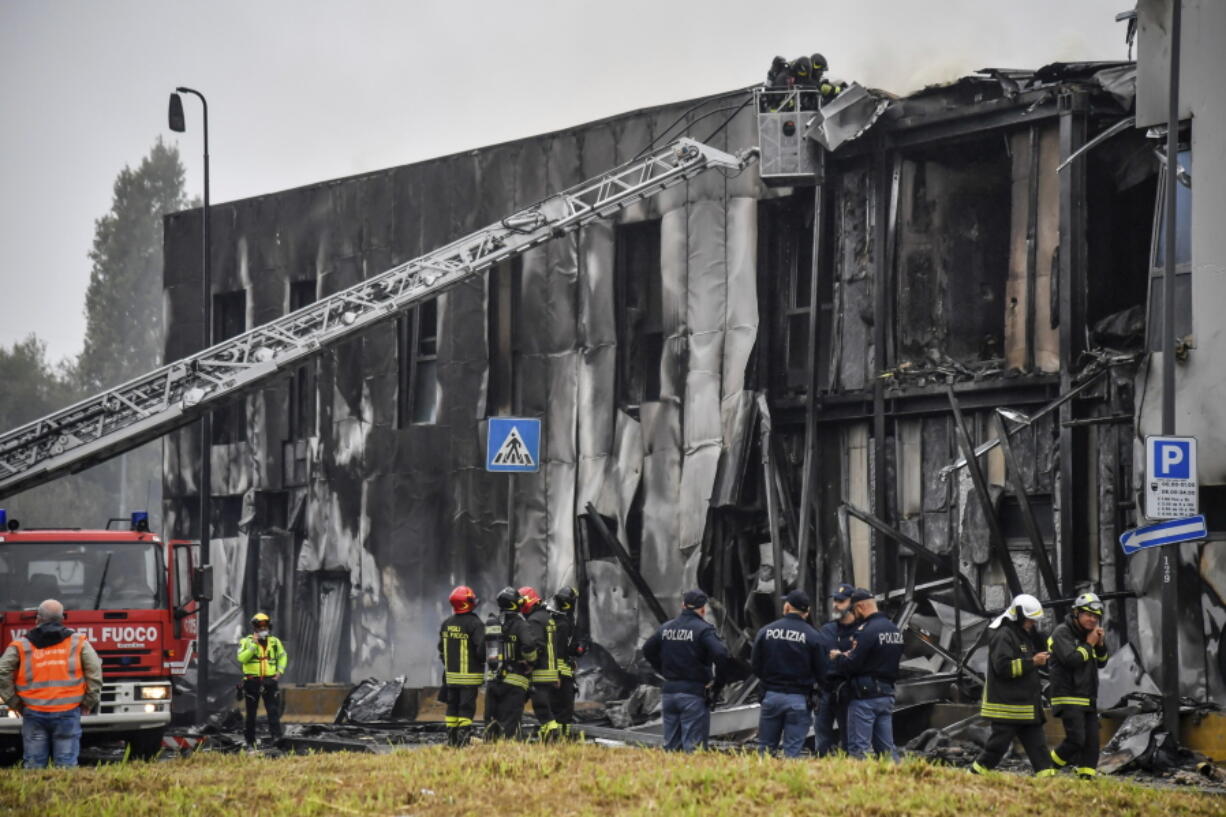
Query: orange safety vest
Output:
(51,679)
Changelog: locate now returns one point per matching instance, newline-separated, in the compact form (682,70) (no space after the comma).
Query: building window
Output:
(786,249)
(503,307)
(1183,257)
(640,313)
(229,320)
(301,403)
(418,395)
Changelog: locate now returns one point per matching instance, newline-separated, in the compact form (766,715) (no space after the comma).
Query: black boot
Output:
(463,736)
(453,736)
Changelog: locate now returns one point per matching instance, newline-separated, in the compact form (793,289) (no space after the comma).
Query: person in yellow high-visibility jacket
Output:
(263,660)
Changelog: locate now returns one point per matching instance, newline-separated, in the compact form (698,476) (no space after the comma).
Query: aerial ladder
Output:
(176,394)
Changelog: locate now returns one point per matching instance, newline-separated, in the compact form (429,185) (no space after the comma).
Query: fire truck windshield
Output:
(81,575)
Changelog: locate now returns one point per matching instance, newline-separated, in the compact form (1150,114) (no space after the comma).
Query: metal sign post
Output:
(512,445)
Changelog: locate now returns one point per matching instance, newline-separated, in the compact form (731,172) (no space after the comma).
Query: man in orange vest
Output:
(50,677)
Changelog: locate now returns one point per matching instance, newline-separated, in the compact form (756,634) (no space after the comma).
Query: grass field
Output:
(560,780)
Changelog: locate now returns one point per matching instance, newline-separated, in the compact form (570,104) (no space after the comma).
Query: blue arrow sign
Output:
(1164,533)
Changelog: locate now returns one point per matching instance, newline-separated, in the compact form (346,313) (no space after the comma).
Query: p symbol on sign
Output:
(1173,460)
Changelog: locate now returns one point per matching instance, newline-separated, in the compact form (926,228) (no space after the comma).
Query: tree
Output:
(123,338)
(123,305)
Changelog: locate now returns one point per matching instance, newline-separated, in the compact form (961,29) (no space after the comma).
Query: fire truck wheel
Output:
(146,744)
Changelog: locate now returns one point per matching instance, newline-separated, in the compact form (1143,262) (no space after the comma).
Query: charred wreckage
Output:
(908,348)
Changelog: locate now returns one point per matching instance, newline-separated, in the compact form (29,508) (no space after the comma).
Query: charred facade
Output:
(738,382)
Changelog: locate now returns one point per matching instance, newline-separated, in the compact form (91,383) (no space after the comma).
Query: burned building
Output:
(776,373)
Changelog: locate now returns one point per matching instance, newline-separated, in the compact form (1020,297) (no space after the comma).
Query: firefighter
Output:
(570,649)
(545,676)
(828,88)
(461,647)
(1012,702)
(262,658)
(518,649)
(788,659)
(683,651)
(870,667)
(834,695)
(1078,648)
(49,678)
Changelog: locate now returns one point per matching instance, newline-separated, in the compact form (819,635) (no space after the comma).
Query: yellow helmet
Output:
(260,618)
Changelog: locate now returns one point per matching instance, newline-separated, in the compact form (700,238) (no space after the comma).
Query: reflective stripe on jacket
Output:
(51,679)
(544,631)
(262,661)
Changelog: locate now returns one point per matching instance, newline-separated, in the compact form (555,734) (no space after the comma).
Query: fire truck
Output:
(131,594)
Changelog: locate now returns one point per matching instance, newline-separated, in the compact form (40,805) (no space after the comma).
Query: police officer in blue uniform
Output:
(683,651)
(788,659)
(871,667)
(835,695)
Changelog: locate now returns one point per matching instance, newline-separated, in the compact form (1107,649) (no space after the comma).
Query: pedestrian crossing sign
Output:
(513,444)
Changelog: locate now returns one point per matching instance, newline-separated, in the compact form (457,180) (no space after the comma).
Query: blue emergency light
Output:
(140,520)
(4,519)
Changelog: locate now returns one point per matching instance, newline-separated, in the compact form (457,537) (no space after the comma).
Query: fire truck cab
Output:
(130,593)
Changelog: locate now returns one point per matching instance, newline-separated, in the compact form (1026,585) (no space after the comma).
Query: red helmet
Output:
(462,599)
(531,599)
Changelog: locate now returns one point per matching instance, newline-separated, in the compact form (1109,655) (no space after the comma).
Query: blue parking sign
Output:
(513,444)
(1172,490)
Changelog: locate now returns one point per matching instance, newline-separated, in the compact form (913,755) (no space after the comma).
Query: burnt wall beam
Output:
(627,563)
(1032,245)
(996,535)
(973,396)
(1028,518)
(887,171)
(1071,270)
(915,547)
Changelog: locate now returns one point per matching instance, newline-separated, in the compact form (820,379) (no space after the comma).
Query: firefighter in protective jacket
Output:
(263,660)
(1012,700)
(511,670)
(461,647)
(545,676)
(568,647)
(1078,648)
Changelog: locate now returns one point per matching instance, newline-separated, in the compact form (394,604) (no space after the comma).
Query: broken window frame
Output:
(502,339)
(786,249)
(417,355)
(229,423)
(1183,258)
(638,284)
(300,403)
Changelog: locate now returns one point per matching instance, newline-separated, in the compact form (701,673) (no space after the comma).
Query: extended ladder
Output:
(176,394)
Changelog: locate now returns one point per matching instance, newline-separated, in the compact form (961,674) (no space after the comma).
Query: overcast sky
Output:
(303,91)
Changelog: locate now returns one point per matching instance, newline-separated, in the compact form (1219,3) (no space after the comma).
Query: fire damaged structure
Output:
(914,358)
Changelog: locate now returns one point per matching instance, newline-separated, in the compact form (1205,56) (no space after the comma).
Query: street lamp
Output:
(178,125)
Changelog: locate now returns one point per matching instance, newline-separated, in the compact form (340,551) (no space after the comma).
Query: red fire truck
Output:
(130,593)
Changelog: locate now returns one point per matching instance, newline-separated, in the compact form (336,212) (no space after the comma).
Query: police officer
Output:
(1078,648)
(570,647)
(788,660)
(683,651)
(835,695)
(461,647)
(545,668)
(518,649)
(871,667)
(1012,701)
(263,660)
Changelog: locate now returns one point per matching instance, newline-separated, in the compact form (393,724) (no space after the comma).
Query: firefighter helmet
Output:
(261,620)
(509,600)
(1024,606)
(565,599)
(818,64)
(463,599)
(1089,603)
(802,69)
(530,597)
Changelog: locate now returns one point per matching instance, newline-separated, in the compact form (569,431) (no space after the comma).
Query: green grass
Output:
(562,780)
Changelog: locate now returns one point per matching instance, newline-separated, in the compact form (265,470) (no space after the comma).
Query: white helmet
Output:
(1023,605)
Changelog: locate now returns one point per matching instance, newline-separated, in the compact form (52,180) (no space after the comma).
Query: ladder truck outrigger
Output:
(74,565)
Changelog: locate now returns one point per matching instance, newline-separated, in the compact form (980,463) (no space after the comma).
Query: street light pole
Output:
(206,420)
